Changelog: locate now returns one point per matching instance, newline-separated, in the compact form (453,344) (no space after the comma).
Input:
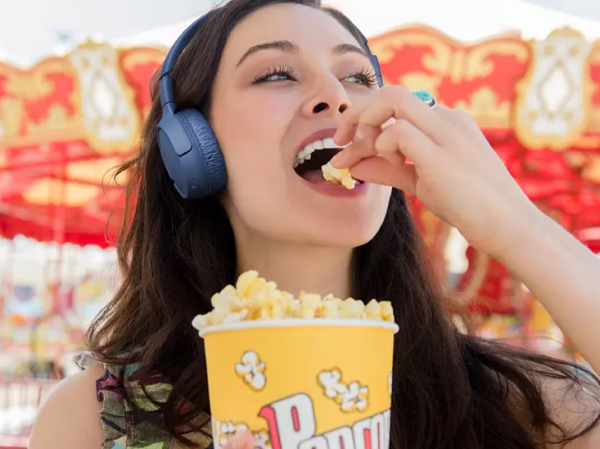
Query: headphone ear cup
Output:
(206,153)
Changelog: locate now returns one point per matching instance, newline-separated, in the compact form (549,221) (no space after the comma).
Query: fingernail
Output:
(390,122)
(335,140)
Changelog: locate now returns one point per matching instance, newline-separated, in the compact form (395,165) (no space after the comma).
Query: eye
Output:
(365,76)
(275,74)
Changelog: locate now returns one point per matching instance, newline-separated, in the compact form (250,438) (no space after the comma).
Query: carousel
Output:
(68,122)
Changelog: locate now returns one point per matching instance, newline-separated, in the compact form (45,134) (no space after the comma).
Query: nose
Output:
(329,98)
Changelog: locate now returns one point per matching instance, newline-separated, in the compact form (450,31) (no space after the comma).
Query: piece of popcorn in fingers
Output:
(339,176)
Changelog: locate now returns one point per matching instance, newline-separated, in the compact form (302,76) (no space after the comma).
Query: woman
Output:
(272,76)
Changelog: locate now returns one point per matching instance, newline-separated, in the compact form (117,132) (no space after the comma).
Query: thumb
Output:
(378,170)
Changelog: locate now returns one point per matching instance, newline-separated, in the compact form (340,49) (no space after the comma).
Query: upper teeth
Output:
(308,150)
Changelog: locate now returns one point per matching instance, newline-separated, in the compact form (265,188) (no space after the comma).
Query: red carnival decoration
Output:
(69,120)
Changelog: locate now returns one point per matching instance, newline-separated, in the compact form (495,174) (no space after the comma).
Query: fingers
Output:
(396,158)
(241,440)
(378,170)
(359,148)
(406,138)
(391,102)
(401,137)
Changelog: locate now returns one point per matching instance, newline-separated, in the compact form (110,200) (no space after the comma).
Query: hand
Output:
(241,440)
(453,169)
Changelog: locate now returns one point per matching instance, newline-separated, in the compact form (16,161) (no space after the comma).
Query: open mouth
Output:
(313,162)
(310,160)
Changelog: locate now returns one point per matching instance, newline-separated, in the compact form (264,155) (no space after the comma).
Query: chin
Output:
(350,239)
(352,235)
(347,223)
(311,218)
(339,230)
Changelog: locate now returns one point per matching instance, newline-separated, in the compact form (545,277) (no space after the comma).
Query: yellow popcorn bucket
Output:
(302,383)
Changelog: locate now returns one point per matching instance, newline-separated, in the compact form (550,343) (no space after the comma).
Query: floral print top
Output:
(126,427)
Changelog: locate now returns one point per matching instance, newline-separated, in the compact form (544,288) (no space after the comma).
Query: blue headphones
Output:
(188,146)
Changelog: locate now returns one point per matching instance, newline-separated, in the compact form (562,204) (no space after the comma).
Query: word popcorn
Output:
(292,425)
(253,298)
(340,176)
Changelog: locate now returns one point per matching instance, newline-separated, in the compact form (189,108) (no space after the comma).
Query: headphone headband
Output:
(179,45)
(372,58)
(167,94)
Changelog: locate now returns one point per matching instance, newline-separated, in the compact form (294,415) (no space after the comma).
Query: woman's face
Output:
(287,73)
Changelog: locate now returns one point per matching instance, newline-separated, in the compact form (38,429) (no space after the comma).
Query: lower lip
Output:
(337,190)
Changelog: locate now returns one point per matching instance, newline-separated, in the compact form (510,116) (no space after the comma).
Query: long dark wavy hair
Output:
(451,390)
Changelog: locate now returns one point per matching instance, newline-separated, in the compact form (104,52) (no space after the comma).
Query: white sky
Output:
(31,29)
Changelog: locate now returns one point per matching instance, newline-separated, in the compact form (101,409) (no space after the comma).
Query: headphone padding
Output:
(206,147)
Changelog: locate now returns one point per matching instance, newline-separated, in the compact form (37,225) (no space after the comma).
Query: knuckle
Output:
(395,92)
(463,116)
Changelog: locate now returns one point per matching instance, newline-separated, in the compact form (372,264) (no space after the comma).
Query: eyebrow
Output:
(342,49)
(290,47)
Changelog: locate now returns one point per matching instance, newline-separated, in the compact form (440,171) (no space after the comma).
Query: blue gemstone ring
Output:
(426,97)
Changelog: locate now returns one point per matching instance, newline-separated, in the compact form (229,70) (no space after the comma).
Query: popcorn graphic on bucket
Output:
(300,373)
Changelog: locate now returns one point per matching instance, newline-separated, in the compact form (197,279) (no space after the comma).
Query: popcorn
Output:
(311,305)
(383,309)
(373,309)
(350,308)
(340,176)
(252,369)
(253,298)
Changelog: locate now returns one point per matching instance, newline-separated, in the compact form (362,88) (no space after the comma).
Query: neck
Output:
(294,267)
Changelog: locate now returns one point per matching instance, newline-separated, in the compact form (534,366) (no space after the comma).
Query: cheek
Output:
(250,130)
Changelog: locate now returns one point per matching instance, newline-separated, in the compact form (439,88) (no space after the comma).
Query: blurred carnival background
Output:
(74,93)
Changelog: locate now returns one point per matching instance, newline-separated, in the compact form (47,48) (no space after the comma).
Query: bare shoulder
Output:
(70,417)
(574,407)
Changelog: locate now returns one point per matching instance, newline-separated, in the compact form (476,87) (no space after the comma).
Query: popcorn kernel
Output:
(245,281)
(339,176)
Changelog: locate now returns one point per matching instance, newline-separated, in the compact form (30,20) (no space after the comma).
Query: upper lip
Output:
(318,135)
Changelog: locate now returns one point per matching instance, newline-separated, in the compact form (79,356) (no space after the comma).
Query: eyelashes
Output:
(273,72)
(365,76)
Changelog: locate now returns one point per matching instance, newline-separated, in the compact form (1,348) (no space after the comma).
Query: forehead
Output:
(309,28)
